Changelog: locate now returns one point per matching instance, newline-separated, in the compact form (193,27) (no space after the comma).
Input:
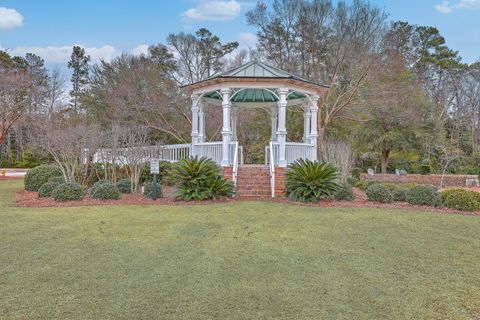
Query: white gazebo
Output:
(257,85)
(253,85)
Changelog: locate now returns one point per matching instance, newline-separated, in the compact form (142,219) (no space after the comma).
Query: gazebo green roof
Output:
(254,95)
(258,72)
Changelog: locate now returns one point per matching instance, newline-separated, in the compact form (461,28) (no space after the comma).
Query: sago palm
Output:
(307,180)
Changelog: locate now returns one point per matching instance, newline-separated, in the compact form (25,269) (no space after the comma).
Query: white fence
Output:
(170,153)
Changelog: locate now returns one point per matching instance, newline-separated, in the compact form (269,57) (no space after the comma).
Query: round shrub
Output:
(399,194)
(148,189)
(98,184)
(463,200)
(124,186)
(46,189)
(379,192)
(106,191)
(57,180)
(37,176)
(68,191)
(344,192)
(423,194)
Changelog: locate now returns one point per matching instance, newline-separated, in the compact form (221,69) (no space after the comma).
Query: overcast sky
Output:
(105,28)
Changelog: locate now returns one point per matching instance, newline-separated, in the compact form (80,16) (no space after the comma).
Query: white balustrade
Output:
(170,153)
(293,152)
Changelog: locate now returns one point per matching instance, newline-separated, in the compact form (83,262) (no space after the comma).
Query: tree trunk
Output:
(321,135)
(385,158)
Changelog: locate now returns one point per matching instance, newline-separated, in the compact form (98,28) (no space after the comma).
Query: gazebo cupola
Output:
(255,84)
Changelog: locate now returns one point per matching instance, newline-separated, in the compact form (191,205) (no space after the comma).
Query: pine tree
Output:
(79,64)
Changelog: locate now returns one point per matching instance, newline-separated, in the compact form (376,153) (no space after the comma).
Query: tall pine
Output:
(79,64)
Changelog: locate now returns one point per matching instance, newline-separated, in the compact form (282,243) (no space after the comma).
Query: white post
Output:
(273,116)
(201,125)
(226,129)
(313,124)
(195,109)
(234,123)
(306,125)
(282,129)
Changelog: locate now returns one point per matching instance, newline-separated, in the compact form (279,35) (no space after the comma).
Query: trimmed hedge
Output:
(106,191)
(47,188)
(124,186)
(400,194)
(68,191)
(148,189)
(40,175)
(460,199)
(424,194)
(344,192)
(380,193)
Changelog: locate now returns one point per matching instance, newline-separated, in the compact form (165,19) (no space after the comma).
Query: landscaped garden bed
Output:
(30,199)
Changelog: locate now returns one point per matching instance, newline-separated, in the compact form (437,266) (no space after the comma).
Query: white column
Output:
(234,123)
(273,116)
(306,125)
(282,129)
(195,110)
(313,123)
(201,124)
(226,129)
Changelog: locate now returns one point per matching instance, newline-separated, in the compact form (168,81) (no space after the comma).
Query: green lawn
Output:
(245,260)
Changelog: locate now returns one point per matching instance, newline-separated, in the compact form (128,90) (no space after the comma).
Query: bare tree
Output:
(339,154)
(14,99)
(56,89)
(134,153)
(71,147)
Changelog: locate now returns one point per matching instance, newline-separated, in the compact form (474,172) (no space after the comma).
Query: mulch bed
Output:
(28,199)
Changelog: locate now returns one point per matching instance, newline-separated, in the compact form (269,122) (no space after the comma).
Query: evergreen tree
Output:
(79,64)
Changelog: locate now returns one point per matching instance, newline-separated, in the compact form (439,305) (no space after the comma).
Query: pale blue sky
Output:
(108,27)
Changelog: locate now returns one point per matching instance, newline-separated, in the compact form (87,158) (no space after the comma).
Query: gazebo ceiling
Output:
(254,95)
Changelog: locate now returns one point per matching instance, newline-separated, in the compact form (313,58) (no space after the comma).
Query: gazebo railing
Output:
(293,152)
(213,150)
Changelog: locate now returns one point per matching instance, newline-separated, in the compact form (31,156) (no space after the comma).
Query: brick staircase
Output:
(253,181)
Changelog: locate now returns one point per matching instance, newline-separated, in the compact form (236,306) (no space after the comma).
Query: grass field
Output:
(242,260)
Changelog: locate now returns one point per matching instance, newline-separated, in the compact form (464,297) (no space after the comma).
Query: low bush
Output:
(400,194)
(353,181)
(68,191)
(106,191)
(308,181)
(356,172)
(124,186)
(37,176)
(424,194)
(57,180)
(344,192)
(379,192)
(148,189)
(363,184)
(98,184)
(200,179)
(47,188)
(460,199)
